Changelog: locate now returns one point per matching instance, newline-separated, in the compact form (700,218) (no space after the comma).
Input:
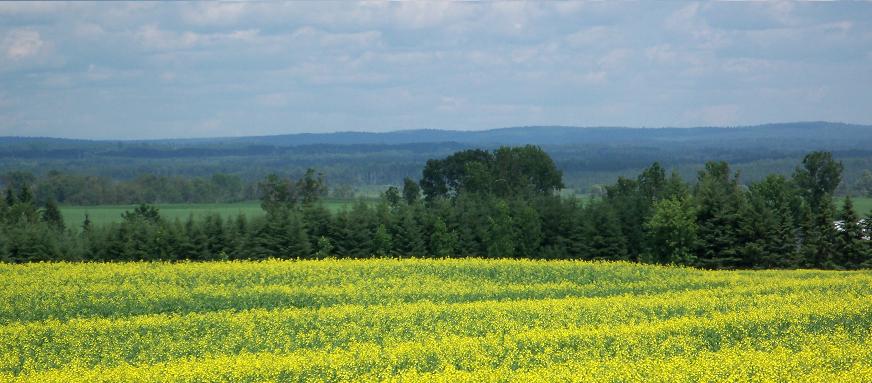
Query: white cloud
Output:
(21,44)
(153,37)
(217,13)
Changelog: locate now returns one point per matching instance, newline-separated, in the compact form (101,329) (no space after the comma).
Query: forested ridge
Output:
(500,203)
(183,170)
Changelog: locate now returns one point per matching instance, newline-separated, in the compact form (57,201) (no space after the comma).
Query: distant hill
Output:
(587,155)
(806,134)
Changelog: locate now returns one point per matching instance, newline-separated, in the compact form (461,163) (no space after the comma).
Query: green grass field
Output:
(430,321)
(862,205)
(105,214)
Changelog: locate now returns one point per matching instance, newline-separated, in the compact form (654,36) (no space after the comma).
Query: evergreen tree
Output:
(194,242)
(238,236)
(557,217)
(442,241)
(144,212)
(324,248)
(4,247)
(25,195)
(867,235)
(311,187)
(411,191)
(581,231)
(851,246)
(340,235)
(360,230)
(820,241)
(296,242)
(769,231)
(759,235)
(527,230)
(382,243)
(632,209)
(603,234)
(408,240)
(817,179)
(469,220)
(392,196)
(317,220)
(719,202)
(10,197)
(500,238)
(87,226)
(32,243)
(217,243)
(52,215)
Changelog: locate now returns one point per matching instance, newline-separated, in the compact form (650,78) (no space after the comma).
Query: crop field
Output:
(430,320)
(105,214)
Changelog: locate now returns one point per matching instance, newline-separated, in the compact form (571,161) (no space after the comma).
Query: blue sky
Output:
(150,70)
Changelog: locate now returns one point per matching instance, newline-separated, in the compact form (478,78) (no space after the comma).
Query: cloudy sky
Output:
(148,70)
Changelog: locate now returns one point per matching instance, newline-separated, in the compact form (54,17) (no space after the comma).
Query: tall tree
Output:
(411,191)
(277,193)
(382,243)
(851,247)
(527,229)
(719,201)
(442,241)
(52,215)
(818,178)
(311,187)
(671,233)
(603,234)
(392,196)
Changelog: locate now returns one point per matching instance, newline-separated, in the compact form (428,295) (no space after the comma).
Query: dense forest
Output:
(501,203)
(228,169)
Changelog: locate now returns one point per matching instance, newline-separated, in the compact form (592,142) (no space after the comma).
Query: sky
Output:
(162,70)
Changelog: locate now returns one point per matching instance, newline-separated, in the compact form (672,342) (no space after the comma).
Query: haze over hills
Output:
(840,135)
(587,156)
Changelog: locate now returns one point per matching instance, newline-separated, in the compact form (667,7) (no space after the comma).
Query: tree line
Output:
(497,204)
(77,189)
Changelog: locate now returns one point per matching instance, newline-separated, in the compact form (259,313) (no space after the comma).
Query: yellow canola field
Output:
(430,320)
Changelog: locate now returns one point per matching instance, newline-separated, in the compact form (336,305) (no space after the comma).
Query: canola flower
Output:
(430,320)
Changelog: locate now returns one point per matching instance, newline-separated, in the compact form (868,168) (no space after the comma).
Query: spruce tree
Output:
(382,242)
(851,249)
(500,240)
(442,241)
(51,215)
(469,220)
(411,191)
(527,230)
(719,201)
(217,244)
(296,241)
(408,240)
(317,220)
(323,248)
(360,230)
(867,236)
(604,238)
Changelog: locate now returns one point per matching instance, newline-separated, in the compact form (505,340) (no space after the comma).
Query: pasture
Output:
(430,320)
(862,205)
